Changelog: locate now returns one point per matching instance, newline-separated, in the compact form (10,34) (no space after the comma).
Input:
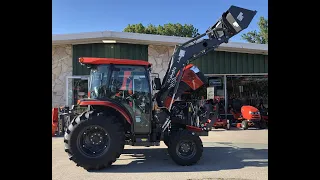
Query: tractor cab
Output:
(124,83)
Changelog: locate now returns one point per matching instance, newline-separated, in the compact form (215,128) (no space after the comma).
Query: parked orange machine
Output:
(221,121)
(54,120)
(249,117)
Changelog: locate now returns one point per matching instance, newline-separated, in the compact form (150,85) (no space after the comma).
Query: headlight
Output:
(254,113)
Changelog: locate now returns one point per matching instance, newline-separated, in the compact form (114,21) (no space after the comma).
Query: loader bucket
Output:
(238,18)
(234,20)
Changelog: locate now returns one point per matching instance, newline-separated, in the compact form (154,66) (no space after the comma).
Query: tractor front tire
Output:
(244,125)
(166,139)
(185,148)
(94,141)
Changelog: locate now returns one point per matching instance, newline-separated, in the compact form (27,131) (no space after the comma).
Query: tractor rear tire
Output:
(86,132)
(244,125)
(189,143)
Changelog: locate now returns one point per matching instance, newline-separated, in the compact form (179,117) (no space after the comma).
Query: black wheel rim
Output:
(93,141)
(186,149)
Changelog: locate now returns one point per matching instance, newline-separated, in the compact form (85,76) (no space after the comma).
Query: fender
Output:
(193,128)
(86,102)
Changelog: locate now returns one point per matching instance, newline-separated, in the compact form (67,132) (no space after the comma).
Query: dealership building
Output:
(237,70)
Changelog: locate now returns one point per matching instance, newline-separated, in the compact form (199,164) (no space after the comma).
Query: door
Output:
(76,89)
(130,86)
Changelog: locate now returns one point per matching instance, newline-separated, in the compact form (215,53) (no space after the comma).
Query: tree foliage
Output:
(169,29)
(260,37)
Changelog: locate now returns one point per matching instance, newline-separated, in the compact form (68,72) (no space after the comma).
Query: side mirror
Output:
(157,83)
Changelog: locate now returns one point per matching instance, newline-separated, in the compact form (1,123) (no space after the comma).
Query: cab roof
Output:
(94,60)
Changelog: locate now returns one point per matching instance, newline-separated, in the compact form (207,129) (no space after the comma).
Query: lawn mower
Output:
(125,106)
(248,116)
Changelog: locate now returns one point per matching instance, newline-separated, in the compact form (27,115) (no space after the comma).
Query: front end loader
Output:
(126,106)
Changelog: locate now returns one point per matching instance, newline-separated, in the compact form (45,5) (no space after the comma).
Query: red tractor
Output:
(124,109)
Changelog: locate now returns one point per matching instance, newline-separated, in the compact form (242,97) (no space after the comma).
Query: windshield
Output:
(122,81)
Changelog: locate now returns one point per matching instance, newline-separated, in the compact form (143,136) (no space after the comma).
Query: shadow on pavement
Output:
(239,129)
(213,159)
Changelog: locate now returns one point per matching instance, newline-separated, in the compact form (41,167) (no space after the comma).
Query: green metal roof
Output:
(122,51)
(220,62)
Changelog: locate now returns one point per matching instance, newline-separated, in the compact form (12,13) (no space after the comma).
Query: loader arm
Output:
(231,23)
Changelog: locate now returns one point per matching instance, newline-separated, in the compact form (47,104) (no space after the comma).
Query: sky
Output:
(77,16)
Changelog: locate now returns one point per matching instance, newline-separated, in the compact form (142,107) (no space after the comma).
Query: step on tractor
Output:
(128,105)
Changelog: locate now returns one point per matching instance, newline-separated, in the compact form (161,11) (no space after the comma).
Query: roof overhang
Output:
(149,39)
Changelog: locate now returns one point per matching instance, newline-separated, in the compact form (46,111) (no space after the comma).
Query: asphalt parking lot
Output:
(232,154)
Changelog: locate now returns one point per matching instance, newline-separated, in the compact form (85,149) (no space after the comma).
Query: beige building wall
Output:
(159,57)
(61,68)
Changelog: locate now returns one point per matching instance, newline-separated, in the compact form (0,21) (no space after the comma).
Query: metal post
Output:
(225,95)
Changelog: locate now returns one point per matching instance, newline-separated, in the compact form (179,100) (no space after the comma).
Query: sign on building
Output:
(210,93)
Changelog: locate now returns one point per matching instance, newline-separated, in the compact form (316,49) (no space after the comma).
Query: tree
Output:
(260,37)
(169,29)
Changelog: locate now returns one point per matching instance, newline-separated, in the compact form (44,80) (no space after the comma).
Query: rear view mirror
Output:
(157,83)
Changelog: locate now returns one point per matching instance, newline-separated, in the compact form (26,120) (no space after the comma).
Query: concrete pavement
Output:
(233,154)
